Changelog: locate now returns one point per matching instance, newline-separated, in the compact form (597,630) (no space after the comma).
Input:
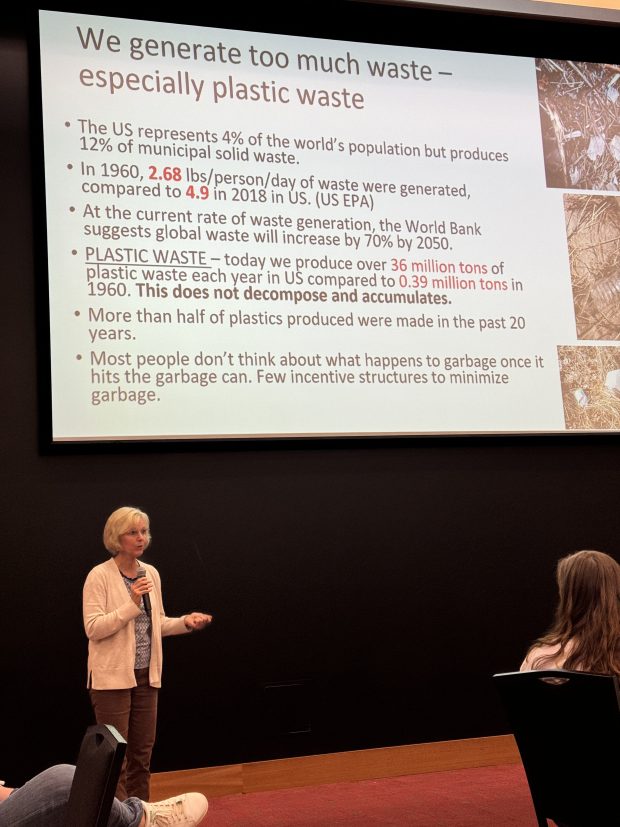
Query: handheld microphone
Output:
(146,598)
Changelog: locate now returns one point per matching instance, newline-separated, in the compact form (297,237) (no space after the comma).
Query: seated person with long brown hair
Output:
(585,633)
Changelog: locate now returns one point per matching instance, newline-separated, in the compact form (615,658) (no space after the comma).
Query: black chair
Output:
(96,774)
(567,728)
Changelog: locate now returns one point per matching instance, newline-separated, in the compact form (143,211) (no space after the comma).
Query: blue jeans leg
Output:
(41,802)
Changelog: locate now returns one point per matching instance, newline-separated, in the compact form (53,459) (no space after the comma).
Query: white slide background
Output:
(413,263)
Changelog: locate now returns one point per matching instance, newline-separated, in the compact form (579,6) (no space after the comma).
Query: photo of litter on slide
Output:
(580,121)
(590,378)
(593,234)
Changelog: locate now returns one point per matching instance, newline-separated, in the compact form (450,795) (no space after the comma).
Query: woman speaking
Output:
(125,621)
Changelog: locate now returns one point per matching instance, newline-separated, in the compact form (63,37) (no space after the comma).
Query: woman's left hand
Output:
(197,620)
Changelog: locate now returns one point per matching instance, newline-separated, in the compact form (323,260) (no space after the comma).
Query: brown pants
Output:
(134,714)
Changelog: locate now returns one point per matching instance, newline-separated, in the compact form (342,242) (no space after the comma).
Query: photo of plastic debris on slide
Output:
(593,235)
(580,122)
(590,379)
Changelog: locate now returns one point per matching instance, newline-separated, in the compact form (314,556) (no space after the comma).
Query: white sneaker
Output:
(185,810)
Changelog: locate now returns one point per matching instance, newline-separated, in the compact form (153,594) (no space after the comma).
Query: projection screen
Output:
(256,235)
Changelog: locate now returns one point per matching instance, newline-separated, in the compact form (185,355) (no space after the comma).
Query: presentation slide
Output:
(256,235)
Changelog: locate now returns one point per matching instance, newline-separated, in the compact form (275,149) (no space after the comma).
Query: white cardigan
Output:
(109,621)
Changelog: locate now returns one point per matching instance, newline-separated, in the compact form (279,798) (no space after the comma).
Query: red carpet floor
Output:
(481,797)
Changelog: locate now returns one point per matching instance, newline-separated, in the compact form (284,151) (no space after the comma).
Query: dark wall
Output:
(363,593)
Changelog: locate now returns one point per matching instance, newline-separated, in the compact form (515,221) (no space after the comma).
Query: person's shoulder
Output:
(101,569)
(542,655)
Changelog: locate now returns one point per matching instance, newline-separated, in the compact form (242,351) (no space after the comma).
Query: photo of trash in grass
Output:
(590,378)
(580,121)
(593,234)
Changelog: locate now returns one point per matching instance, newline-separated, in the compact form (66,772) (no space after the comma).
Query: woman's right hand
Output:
(140,587)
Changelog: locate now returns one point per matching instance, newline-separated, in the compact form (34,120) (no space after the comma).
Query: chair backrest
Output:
(96,774)
(567,727)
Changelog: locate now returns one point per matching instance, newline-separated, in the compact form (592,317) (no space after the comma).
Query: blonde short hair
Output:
(118,523)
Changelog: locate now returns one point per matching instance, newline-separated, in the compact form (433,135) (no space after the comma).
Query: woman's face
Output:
(135,539)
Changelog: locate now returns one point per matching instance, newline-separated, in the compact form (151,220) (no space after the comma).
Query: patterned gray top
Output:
(143,631)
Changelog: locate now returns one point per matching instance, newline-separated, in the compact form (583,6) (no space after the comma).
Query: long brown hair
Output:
(587,615)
